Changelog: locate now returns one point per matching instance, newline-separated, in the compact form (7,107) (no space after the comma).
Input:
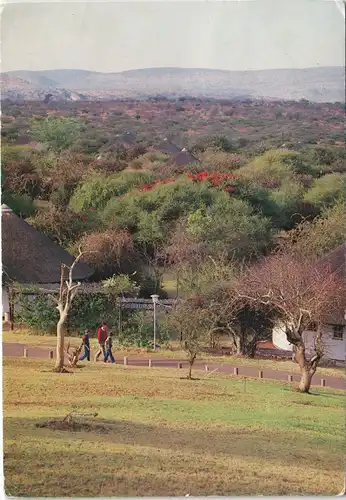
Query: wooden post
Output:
(125,361)
(180,365)
(51,354)
(149,363)
(323,382)
(206,368)
(290,378)
(26,353)
(260,374)
(235,371)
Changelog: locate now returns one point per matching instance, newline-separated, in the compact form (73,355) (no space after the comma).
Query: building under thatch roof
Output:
(29,256)
(182,159)
(168,147)
(128,138)
(336,260)
(121,141)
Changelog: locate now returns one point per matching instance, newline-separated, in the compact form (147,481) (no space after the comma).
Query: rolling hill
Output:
(324,84)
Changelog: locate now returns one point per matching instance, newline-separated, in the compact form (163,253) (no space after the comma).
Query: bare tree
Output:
(67,293)
(193,321)
(299,291)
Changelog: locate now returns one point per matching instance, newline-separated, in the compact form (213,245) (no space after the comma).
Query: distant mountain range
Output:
(324,84)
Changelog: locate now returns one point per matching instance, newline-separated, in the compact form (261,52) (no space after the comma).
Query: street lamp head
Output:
(155,298)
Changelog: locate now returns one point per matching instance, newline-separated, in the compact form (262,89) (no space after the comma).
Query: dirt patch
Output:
(70,424)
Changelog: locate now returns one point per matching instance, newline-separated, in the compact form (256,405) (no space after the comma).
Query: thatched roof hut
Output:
(183,158)
(336,260)
(29,256)
(126,140)
(168,147)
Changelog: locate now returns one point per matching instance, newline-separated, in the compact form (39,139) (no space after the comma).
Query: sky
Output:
(117,36)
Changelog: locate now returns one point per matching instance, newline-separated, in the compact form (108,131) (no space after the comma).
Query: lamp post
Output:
(155,298)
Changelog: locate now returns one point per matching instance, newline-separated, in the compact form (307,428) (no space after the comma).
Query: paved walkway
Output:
(17,350)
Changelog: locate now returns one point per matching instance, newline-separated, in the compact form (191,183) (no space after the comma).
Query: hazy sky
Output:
(114,36)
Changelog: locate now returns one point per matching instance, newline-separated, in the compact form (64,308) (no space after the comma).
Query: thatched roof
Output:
(167,146)
(126,140)
(29,256)
(336,259)
(183,158)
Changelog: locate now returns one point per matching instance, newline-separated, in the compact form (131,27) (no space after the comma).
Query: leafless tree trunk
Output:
(191,362)
(66,295)
(307,366)
(74,355)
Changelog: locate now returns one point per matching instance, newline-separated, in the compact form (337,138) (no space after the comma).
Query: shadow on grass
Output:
(277,446)
(64,473)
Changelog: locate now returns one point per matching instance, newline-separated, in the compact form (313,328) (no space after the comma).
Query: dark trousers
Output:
(109,354)
(86,354)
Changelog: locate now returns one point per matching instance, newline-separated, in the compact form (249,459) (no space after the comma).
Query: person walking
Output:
(109,345)
(102,334)
(86,345)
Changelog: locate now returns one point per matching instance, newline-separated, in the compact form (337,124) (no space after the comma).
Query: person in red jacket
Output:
(102,334)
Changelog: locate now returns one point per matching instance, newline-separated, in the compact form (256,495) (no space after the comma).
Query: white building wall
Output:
(334,348)
(5,305)
(279,338)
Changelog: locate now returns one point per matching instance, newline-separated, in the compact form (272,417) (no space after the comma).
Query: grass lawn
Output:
(157,434)
(283,365)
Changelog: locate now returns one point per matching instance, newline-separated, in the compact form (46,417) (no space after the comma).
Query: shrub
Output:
(287,200)
(327,190)
(89,309)
(39,313)
(270,170)
(138,331)
(99,189)
(56,133)
(230,226)
(220,161)
(21,205)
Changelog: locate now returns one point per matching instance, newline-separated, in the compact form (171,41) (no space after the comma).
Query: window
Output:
(338,332)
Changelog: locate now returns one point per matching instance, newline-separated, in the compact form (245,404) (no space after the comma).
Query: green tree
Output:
(231,227)
(21,205)
(121,285)
(98,189)
(271,169)
(287,201)
(316,238)
(327,190)
(56,134)
(216,143)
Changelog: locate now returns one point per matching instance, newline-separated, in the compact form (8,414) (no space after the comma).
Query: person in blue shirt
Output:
(86,345)
(109,345)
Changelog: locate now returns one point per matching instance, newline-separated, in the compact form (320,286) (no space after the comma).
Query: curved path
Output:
(17,350)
